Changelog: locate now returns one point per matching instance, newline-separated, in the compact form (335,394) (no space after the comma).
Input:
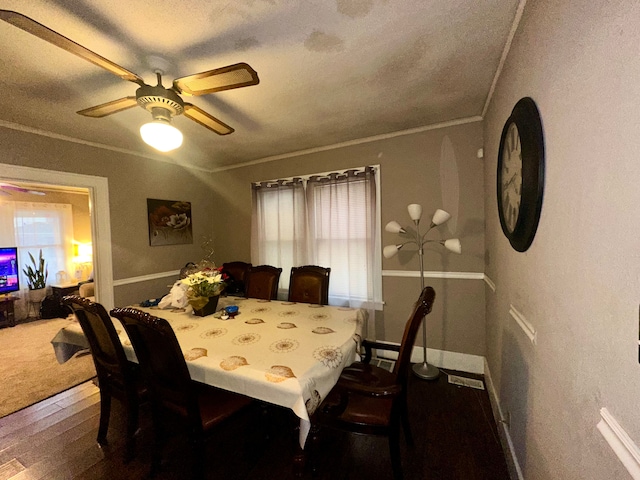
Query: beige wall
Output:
(132,180)
(79,209)
(437,168)
(411,172)
(578,284)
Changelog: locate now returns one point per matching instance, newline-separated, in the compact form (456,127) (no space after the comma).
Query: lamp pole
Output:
(422,370)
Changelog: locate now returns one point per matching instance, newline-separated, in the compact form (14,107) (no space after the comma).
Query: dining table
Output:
(284,353)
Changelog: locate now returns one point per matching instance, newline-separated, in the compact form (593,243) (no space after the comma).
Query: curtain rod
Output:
(314,177)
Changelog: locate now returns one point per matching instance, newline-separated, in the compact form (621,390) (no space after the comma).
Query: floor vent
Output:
(383,363)
(466,382)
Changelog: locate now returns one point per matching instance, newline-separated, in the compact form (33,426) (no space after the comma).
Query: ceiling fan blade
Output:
(108,108)
(45,33)
(225,78)
(203,118)
(15,188)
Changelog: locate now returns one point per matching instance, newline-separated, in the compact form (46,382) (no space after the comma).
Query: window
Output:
(331,220)
(35,226)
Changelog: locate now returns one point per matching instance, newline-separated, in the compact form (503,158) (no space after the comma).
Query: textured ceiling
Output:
(330,70)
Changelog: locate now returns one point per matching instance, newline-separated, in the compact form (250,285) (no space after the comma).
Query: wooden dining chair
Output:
(237,271)
(371,400)
(262,282)
(309,284)
(200,407)
(117,377)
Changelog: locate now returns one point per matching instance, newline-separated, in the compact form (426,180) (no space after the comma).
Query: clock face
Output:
(511,177)
(520,174)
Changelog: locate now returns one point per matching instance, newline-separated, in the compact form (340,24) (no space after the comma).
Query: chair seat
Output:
(361,414)
(360,410)
(367,374)
(217,405)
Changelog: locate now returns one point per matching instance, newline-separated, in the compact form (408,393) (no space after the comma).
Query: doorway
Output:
(98,193)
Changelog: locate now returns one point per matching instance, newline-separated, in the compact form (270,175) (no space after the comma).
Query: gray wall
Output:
(411,172)
(132,180)
(578,284)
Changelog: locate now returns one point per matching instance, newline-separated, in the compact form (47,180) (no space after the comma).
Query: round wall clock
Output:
(520,176)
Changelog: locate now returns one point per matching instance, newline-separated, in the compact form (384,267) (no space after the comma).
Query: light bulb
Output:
(415,211)
(161,135)
(440,216)
(453,245)
(394,227)
(390,250)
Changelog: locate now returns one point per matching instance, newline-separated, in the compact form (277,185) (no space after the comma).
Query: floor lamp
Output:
(422,370)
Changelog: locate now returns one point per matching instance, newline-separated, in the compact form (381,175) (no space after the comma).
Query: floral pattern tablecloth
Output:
(289,354)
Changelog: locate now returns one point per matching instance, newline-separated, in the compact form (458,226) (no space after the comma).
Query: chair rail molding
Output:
(145,278)
(527,328)
(491,283)
(434,274)
(620,442)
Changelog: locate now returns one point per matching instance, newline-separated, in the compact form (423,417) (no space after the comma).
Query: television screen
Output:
(9,270)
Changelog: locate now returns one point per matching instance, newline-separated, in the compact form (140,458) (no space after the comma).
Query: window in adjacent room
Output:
(35,226)
(329,219)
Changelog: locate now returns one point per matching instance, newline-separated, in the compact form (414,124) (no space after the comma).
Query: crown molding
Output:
(375,138)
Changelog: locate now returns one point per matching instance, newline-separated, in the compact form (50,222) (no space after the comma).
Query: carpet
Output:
(28,366)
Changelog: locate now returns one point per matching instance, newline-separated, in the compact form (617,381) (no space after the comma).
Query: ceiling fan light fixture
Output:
(161,135)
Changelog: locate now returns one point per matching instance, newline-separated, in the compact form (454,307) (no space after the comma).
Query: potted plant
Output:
(37,274)
(204,289)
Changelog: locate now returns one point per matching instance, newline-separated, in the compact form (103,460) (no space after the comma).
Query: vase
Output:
(37,295)
(208,308)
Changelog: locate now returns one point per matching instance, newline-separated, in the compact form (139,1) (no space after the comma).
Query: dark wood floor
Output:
(454,432)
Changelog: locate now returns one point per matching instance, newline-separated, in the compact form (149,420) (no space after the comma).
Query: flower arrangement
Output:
(206,283)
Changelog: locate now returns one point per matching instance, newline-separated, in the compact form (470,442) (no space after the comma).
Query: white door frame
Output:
(100,218)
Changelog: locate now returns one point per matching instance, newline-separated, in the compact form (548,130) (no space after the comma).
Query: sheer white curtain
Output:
(279,226)
(329,220)
(7,232)
(342,225)
(35,226)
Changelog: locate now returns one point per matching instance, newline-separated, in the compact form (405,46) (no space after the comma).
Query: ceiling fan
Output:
(163,103)
(6,188)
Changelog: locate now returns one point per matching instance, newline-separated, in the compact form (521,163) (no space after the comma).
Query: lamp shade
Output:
(415,211)
(161,135)
(453,244)
(394,227)
(440,216)
(390,250)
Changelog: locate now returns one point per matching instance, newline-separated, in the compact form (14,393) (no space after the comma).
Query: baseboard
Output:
(462,362)
(503,428)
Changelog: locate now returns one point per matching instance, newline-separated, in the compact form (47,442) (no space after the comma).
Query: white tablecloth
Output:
(289,354)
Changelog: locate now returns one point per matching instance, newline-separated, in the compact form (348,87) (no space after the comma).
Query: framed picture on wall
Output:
(169,222)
